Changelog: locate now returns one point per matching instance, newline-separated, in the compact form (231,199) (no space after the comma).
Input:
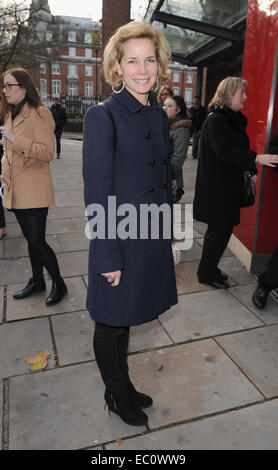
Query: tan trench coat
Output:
(25,163)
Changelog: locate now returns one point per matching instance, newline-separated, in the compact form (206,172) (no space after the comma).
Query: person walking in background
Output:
(198,115)
(28,136)
(126,155)
(164,93)
(224,156)
(2,215)
(175,108)
(60,117)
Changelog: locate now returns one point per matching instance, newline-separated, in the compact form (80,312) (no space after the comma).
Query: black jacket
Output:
(1,146)
(224,156)
(273,146)
(59,115)
(198,115)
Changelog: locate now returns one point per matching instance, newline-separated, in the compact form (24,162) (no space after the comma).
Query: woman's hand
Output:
(267,160)
(254,178)
(6,132)
(113,278)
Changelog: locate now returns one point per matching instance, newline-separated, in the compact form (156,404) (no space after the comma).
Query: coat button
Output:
(163,186)
(163,162)
(152,162)
(22,153)
(151,189)
(147,136)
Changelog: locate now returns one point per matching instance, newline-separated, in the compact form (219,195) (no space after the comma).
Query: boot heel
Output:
(125,408)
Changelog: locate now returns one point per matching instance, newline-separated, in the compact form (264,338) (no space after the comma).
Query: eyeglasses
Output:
(8,86)
(165,94)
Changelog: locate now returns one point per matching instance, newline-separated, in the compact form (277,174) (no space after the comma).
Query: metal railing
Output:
(77,105)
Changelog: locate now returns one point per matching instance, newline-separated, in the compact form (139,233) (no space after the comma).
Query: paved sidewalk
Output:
(210,363)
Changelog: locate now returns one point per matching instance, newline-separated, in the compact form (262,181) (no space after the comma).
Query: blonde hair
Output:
(226,90)
(135,30)
(165,88)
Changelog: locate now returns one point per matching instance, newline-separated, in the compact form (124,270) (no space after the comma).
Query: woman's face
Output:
(164,95)
(238,99)
(138,67)
(14,94)
(171,108)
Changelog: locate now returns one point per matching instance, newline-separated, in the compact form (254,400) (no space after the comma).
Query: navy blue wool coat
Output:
(136,171)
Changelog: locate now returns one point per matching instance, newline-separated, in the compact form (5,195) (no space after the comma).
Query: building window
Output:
(56,87)
(42,68)
(176,90)
(72,72)
(89,89)
(72,51)
(72,36)
(88,53)
(176,77)
(88,38)
(188,96)
(48,35)
(73,88)
(43,89)
(88,70)
(189,77)
(56,69)
(48,50)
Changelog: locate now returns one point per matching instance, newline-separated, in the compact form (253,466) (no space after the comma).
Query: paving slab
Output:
(244,293)
(73,334)
(252,428)
(34,306)
(13,230)
(193,254)
(62,409)
(17,247)
(13,271)
(1,248)
(21,340)
(74,242)
(1,408)
(1,304)
(69,198)
(256,353)
(200,227)
(189,381)
(60,226)
(65,212)
(227,252)
(147,336)
(233,267)
(74,265)
(207,314)
(80,224)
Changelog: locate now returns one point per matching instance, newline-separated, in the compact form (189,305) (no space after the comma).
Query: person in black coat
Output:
(126,158)
(60,117)
(224,156)
(197,114)
(2,215)
(269,279)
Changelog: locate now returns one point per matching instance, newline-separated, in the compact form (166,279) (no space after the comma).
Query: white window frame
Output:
(42,68)
(89,88)
(43,88)
(72,36)
(188,96)
(189,77)
(48,35)
(72,51)
(56,87)
(56,68)
(176,76)
(176,90)
(88,38)
(73,88)
(72,71)
(88,53)
(88,70)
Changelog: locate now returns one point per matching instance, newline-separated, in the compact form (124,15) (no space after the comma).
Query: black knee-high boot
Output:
(107,353)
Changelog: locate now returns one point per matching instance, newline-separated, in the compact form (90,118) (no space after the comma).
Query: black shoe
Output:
(177,195)
(31,287)
(125,407)
(58,291)
(260,297)
(142,400)
(217,283)
(221,276)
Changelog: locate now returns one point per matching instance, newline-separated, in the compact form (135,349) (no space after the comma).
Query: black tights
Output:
(110,346)
(40,253)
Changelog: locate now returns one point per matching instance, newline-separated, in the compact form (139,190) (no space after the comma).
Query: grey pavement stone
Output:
(80,224)
(244,293)
(74,265)
(62,409)
(19,341)
(59,226)
(17,247)
(233,267)
(69,198)
(190,381)
(13,230)
(206,314)
(256,353)
(34,306)
(73,334)
(13,271)
(1,248)
(200,227)
(86,280)
(74,242)
(65,212)
(1,408)
(1,303)
(147,336)
(253,428)
(193,254)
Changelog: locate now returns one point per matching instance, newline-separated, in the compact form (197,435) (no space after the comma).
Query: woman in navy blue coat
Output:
(126,161)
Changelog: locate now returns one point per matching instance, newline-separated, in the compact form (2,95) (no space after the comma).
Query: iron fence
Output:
(77,105)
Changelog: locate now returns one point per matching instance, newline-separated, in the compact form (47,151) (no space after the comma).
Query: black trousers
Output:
(269,280)
(33,223)
(2,215)
(110,347)
(215,242)
(58,135)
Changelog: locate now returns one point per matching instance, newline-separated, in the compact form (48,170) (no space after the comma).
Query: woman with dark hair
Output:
(28,137)
(175,108)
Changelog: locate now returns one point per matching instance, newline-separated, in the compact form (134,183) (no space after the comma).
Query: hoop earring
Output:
(156,86)
(120,90)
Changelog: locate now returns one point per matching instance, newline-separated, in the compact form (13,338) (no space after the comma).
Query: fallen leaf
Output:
(120,443)
(39,361)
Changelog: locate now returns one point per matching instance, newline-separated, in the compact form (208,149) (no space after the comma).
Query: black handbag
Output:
(248,192)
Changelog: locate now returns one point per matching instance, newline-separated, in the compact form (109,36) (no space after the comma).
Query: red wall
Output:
(258,68)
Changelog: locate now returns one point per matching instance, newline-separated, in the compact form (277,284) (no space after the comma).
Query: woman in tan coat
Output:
(28,136)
